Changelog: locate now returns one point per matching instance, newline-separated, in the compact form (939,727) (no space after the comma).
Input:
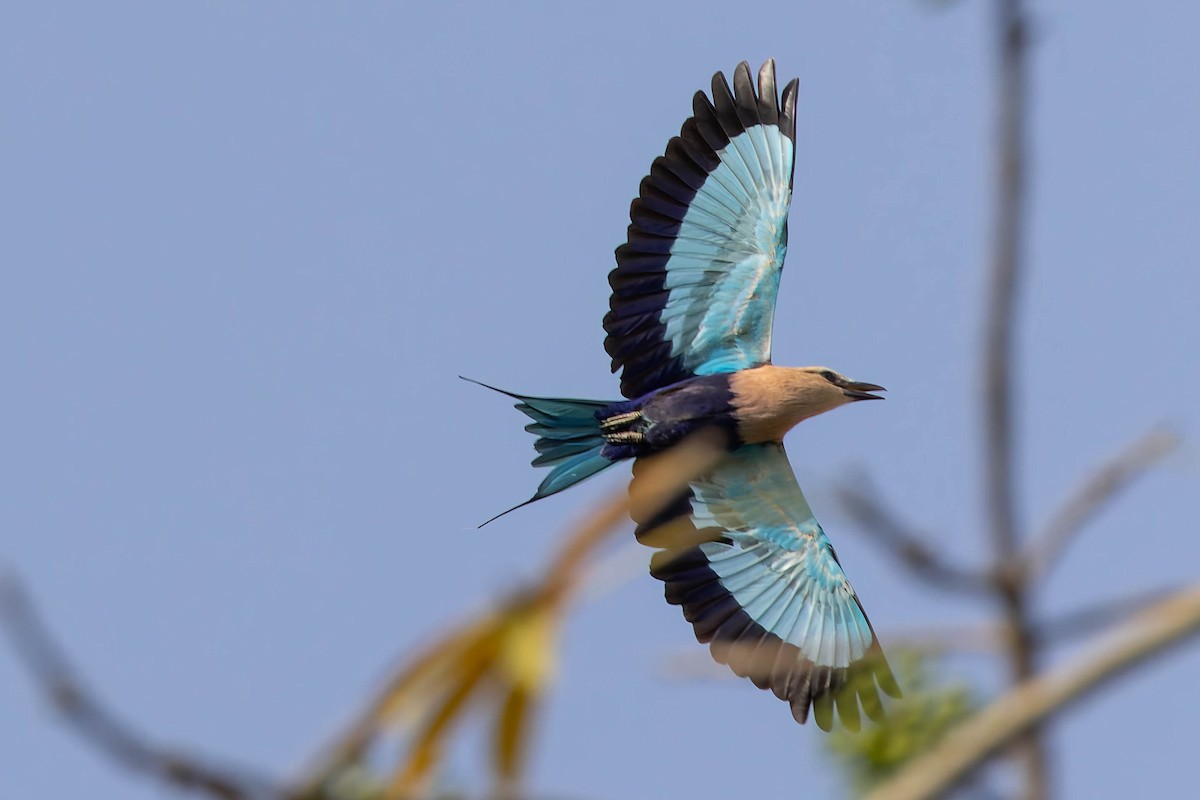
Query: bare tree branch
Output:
(987,638)
(1098,617)
(112,736)
(998,473)
(1005,275)
(1098,489)
(988,732)
(983,638)
(994,637)
(875,519)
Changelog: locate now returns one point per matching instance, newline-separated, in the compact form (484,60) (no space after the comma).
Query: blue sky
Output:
(249,247)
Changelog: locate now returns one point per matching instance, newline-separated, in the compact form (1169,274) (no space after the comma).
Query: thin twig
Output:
(988,732)
(910,548)
(49,667)
(1100,488)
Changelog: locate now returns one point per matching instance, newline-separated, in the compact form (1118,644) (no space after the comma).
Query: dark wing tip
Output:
(822,709)
(884,676)
(768,96)
(825,693)
(720,86)
(787,109)
(701,106)
(847,707)
(747,100)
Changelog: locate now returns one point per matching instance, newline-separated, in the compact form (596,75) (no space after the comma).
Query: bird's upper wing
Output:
(695,284)
(758,579)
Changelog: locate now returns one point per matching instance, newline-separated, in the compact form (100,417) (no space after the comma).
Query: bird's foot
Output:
(625,437)
(620,421)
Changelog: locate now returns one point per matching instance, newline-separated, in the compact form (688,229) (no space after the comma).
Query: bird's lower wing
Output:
(760,582)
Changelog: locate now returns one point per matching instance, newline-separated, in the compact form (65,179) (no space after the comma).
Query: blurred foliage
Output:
(930,707)
(502,661)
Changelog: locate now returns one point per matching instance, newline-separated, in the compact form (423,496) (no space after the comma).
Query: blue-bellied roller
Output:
(689,327)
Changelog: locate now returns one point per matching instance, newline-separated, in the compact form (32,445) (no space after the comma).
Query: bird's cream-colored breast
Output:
(769,401)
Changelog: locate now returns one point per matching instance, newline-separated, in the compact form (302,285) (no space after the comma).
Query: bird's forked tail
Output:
(569,440)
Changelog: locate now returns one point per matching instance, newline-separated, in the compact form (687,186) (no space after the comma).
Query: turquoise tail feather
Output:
(569,440)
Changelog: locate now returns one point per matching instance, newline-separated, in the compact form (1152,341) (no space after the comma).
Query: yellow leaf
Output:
(512,738)
(529,649)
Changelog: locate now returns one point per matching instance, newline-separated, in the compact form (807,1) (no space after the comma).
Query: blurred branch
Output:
(99,726)
(608,572)
(987,733)
(982,638)
(862,503)
(1096,617)
(994,637)
(506,656)
(1100,488)
(986,638)
(1005,273)
(664,477)
(1012,38)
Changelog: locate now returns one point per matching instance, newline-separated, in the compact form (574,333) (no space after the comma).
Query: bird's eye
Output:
(829,375)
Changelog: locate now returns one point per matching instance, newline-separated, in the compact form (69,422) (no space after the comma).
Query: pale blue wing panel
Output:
(695,284)
(758,579)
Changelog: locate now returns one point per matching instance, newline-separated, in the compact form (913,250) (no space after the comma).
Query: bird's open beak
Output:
(862,391)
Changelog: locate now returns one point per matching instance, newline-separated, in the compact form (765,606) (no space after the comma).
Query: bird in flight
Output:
(689,327)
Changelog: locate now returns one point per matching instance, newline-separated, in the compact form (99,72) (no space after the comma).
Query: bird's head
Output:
(770,400)
(824,389)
